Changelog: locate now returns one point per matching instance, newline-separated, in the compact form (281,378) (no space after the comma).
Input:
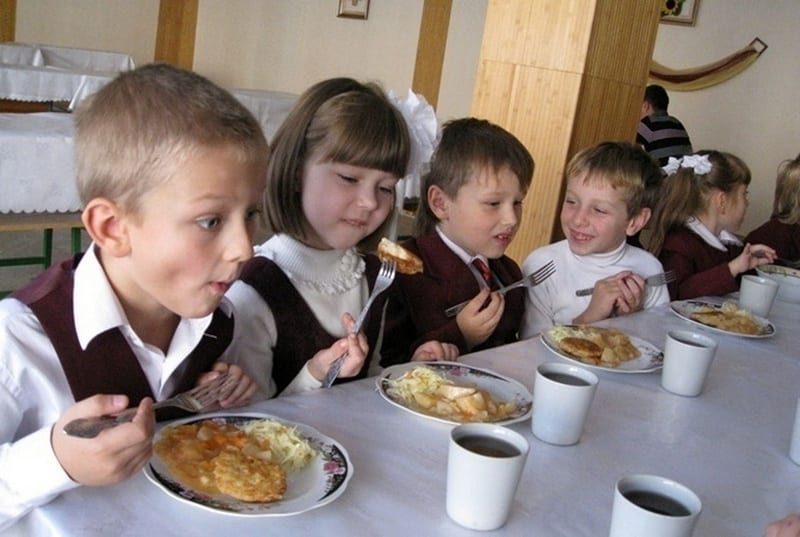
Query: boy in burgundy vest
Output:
(170,169)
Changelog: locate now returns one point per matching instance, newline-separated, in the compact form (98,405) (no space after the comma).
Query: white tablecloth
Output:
(269,107)
(36,163)
(730,445)
(44,73)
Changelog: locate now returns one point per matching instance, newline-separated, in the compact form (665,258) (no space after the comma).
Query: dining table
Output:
(730,445)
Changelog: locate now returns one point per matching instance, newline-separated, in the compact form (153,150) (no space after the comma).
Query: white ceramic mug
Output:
(756,294)
(562,396)
(484,466)
(794,448)
(653,506)
(687,360)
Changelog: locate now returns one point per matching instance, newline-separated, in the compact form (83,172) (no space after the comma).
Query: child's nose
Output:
(367,198)
(239,246)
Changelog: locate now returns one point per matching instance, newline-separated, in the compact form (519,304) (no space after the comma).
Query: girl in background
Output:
(782,230)
(702,204)
(330,192)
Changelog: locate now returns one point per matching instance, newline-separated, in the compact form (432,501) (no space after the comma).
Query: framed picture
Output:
(353,9)
(679,11)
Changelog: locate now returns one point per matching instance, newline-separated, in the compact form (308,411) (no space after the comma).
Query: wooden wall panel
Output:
(177,22)
(8,20)
(430,49)
(561,75)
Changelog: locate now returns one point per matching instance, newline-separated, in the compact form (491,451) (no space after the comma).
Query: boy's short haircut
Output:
(133,134)
(623,166)
(468,146)
(339,120)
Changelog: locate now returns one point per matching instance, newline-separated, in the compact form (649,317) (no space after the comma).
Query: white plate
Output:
(319,483)
(685,308)
(500,387)
(650,359)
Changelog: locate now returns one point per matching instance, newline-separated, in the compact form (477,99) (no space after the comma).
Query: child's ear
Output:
(438,202)
(639,220)
(106,225)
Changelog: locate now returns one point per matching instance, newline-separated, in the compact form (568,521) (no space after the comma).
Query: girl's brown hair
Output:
(786,207)
(686,193)
(339,120)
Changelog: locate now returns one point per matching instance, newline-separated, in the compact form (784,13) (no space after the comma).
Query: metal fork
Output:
(655,280)
(383,281)
(196,400)
(531,280)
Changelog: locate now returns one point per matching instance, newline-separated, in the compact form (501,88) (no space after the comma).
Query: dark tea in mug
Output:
(563,378)
(488,445)
(657,503)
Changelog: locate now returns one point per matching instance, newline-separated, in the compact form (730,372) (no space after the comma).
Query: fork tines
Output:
(208,394)
(542,273)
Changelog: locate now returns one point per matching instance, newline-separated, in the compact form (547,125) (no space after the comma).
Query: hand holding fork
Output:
(651,281)
(531,280)
(383,281)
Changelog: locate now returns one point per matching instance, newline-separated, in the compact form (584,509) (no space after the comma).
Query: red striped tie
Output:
(483,268)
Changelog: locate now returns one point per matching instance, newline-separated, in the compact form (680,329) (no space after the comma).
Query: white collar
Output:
(96,308)
(325,271)
(717,242)
(605,259)
(458,250)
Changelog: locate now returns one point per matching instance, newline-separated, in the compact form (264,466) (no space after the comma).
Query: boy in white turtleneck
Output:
(604,203)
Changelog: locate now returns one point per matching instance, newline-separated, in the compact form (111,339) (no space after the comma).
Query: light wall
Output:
(287,45)
(283,45)
(755,114)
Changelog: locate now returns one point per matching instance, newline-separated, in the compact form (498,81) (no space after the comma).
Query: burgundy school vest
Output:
(299,341)
(108,364)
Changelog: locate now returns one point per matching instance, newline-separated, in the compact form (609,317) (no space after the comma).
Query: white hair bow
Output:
(423,127)
(700,164)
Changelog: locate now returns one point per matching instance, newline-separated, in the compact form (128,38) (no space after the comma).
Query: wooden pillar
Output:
(562,75)
(430,49)
(8,20)
(177,22)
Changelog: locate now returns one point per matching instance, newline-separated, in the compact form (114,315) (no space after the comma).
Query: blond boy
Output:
(170,170)
(603,205)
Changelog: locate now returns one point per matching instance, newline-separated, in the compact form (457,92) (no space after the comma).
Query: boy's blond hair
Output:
(133,134)
(623,166)
(786,207)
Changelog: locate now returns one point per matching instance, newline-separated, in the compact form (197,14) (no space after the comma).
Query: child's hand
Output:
(786,527)
(242,391)
(477,322)
(435,351)
(356,347)
(753,255)
(113,455)
(621,293)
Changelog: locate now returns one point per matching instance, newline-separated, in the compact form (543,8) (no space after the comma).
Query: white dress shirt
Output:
(34,391)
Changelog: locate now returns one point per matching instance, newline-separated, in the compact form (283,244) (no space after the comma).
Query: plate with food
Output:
(454,393)
(608,349)
(726,318)
(248,465)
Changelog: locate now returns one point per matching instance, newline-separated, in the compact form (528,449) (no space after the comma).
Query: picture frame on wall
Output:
(353,9)
(679,11)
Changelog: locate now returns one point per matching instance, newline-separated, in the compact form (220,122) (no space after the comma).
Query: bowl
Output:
(788,279)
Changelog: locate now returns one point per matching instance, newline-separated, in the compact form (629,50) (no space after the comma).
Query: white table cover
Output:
(43,73)
(730,445)
(36,163)
(269,107)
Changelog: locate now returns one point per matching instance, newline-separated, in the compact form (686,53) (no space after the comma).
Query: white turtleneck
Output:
(332,282)
(554,302)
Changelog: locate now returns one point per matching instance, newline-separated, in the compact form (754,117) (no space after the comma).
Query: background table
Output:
(730,445)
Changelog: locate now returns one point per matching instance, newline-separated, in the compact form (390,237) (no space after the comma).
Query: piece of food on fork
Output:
(407,263)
